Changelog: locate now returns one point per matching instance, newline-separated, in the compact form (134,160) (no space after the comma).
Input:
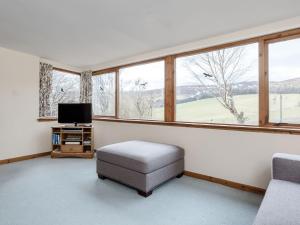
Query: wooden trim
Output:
(46,119)
(116,68)
(59,154)
(263,84)
(287,38)
(109,70)
(66,71)
(169,89)
(117,94)
(281,35)
(147,61)
(268,128)
(217,47)
(25,157)
(247,128)
(228,183)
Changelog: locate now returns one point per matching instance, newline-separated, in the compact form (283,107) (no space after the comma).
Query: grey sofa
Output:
(139,164)
(281,204)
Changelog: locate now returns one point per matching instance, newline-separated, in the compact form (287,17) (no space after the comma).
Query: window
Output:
(215,89)
(220,86)
(284,81)
(141,91)
(104,94)
(65,89)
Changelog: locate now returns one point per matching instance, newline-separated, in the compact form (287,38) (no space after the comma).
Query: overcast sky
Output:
(284,60)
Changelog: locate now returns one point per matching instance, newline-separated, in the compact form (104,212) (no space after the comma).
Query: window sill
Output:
(46,119)
(248,128)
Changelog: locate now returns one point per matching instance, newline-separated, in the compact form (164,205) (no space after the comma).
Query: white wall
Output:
(239,156)
(20,132)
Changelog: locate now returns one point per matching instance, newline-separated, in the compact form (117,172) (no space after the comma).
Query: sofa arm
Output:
(286,167)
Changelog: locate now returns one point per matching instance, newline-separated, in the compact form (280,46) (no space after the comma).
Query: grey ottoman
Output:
(139,164)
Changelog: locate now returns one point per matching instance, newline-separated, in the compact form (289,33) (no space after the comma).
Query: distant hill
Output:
(189,93)
(286,86)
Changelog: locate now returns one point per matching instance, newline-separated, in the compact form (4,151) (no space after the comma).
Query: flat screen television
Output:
(75,113)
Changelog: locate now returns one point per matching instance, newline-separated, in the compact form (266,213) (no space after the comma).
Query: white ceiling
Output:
(83,33)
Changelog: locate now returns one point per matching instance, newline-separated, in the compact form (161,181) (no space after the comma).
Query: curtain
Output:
(86,87)
(46,71)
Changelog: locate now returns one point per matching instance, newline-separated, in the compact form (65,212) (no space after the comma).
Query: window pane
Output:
(284,81)
(219,86)
(142,91)
(104,94)
(65,89)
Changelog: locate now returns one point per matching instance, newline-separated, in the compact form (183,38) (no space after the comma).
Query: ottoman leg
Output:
(180,175)
(144,194)
(101,176)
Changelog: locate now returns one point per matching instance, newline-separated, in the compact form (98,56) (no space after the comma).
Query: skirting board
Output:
(228,183)
(26,157)
(232,184)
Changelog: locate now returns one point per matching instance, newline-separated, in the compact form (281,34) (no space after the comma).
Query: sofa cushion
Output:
(281,204)
(141,156)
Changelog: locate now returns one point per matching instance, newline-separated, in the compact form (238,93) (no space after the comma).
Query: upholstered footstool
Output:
(139,164)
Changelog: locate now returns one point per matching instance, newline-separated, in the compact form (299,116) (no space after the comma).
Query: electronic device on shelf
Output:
(75,113)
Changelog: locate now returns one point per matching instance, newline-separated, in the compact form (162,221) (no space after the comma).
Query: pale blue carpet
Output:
(48,191)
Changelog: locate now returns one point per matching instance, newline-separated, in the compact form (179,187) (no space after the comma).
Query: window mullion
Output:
(169,89)
(263,84)
(117,93)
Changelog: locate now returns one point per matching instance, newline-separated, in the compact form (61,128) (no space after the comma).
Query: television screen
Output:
(75,113)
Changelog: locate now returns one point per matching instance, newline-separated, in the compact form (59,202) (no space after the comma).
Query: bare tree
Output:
(217,72)
(143,100)
(103,94)
(137,100)
(65,89)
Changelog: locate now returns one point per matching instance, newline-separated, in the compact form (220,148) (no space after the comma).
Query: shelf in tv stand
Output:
(73,150)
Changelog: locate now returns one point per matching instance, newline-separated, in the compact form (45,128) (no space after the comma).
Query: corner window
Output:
(65,89)
(104,94)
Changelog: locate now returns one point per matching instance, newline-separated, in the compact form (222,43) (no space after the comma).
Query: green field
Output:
(211,111)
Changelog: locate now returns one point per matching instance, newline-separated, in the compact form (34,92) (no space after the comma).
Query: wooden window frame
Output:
(215,48)
(53,118)
(66,71)
(170,88)
(117,94)
(103,72)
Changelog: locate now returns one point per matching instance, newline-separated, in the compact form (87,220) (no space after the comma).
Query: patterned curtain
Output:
(46,71)
(86,87)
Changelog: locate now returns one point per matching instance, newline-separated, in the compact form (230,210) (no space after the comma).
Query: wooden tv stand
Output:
(72,141)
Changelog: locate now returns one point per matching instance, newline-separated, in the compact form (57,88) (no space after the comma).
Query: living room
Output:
(137,112)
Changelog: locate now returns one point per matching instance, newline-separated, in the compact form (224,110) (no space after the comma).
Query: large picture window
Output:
(65,89)
(104,94)
(284,81)
(219,86)
(246,85)
(141,91)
